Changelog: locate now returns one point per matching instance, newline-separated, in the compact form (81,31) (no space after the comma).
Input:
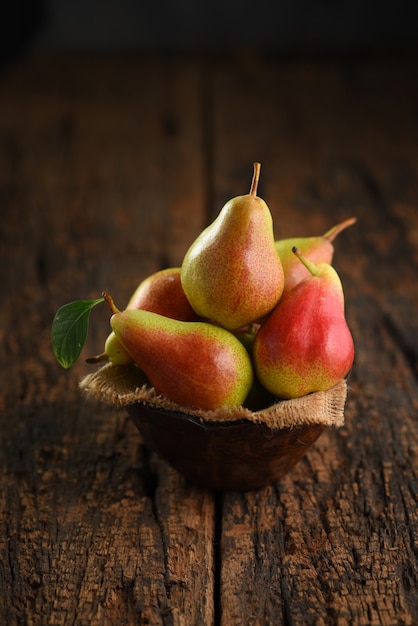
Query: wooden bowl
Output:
(227,449)
(237,455)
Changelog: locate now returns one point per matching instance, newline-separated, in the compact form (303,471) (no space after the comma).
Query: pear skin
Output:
(246,336)
(259,398)
(232,273)
(317,249)
(305,344)
(162,293)
(194,364)
(113,352)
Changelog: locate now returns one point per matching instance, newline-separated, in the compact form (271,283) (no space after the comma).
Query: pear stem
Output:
(332,233)
(106,295)
(256,178)
(310,265)
(98,358)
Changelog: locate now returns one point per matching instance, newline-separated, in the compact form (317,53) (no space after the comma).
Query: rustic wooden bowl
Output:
(237,455)
(228,449)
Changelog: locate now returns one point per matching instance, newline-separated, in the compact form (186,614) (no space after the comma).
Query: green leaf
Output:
(69,330)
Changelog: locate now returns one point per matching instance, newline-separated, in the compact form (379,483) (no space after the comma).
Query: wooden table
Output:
(109,168)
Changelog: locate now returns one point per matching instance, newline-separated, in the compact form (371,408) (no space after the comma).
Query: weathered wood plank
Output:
(335,541)
(108,170)
(101,183)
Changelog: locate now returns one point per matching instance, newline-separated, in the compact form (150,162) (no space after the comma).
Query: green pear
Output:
(162,293)
(317,249)
(305,344)
(246,336)
(258,397)
(232,273)
(194,364)
(113,352)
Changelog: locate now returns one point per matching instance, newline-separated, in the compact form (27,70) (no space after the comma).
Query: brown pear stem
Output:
(98,358)
(106,295)
(332,233)
(256,178)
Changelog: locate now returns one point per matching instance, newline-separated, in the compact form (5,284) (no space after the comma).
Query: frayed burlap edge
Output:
(122,385)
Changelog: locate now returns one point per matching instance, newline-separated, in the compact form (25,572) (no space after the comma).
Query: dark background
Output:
(290,26)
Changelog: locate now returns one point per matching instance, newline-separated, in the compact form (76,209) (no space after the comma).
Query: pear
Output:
(258,397)
(162,293)
(194,364)
(305,344)
(246,336)
(232,273)
(113,352)
(317,249)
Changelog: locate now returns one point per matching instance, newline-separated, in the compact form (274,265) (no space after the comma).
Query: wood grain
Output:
(109,168)
(92,531)
(332,542)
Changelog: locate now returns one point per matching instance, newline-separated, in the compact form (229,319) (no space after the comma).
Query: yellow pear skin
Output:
(232,273)
(318,249)
(113,352)
(194,364)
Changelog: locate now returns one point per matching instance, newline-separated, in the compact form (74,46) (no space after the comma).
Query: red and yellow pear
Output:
(194,364)
(161,293)
(305,344)
(232,273)
(318,249)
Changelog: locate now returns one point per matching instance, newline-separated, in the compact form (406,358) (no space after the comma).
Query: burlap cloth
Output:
(122,385)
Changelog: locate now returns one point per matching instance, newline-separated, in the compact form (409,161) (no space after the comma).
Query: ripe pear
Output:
(305,344)
(194,364)
(317,249)
(162,293)
(232,273)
